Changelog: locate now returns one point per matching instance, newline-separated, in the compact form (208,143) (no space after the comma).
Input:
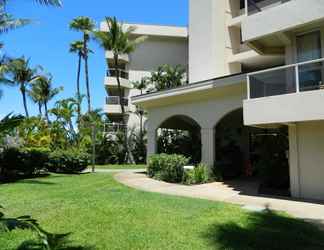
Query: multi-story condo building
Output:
(164,45)
(253,64)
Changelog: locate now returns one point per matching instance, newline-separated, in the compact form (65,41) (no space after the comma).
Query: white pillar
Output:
(294,171)
(208,146)
(151,142)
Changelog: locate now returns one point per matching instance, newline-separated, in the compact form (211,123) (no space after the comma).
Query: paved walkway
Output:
(235,192)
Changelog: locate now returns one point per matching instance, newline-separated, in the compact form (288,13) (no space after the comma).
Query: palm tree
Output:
(118,40)
(44,91)
(141,86)
(19,73)
(35,93)
(77,47)
(86,26)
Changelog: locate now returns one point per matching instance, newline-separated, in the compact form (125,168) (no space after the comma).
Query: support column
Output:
(294,171)
(151,142)
(208,146)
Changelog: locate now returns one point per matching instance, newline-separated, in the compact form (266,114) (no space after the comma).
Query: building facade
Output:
(260,58)
(164,45)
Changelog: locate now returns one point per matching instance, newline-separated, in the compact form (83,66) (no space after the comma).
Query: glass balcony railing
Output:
(114,100)
(287,79)
(256,6)
(122,73)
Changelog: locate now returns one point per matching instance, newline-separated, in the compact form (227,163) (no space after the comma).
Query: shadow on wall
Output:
(266,231)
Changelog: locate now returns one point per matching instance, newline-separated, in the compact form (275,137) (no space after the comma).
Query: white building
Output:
(260,57)
(164,45)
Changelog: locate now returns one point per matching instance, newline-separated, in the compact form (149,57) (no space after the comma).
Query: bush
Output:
(18,163)
(67,161)
(198,175)
(167,168)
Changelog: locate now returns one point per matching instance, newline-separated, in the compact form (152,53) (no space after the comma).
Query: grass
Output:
(117,167)
(106,215)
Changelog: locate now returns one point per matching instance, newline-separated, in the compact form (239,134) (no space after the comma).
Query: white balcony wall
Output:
(297,107)
(283,17)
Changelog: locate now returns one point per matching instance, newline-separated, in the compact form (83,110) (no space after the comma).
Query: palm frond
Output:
(7,23)
(9,122)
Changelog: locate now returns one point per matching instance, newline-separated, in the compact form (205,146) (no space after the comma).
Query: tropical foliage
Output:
(166,77)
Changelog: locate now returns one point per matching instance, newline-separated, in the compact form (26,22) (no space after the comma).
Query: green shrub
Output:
(167,168)
(18,163)
(68,161)
(198,175)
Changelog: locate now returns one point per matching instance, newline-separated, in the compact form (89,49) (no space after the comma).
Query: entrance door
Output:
(309,48)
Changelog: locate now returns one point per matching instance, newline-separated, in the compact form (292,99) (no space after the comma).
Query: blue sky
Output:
(47,40)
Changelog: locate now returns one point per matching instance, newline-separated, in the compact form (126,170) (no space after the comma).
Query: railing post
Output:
(248,88)
(246,7)
(297,78)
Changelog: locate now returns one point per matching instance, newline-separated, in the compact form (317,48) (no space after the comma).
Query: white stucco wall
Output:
(310,159)
(151,54)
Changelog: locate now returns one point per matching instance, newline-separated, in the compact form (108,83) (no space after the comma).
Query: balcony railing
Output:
(114,127)
(294,78)
(114,100)
(255,6)
(122,73)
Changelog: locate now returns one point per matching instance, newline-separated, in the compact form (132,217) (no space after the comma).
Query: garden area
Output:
(102,214)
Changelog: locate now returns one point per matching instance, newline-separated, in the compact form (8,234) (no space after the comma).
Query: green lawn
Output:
(106,215)
(120,166)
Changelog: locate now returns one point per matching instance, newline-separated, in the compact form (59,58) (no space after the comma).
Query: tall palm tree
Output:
(77,47)
(19,73)
(118,40)
(43,86)
(86,26)
(141,86)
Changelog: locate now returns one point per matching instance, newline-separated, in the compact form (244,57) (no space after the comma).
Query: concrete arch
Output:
(179,122)
(221,117)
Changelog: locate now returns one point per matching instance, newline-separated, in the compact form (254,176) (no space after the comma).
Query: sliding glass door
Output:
(309,48)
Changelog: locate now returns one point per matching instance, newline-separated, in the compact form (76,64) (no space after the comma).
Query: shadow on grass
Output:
(36,182)
(266,231)
(33,245)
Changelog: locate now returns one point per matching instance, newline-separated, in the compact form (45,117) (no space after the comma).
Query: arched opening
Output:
(254,154)
(180,134)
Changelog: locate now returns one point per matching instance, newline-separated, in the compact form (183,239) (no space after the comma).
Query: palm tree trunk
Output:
(128,156)
(23,93)
(40,109)
(87,72)
(78,88)
(46,111)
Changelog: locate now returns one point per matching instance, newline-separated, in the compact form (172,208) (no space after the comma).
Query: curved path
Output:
(236,193)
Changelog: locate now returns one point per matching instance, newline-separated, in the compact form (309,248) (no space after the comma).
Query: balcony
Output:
(114,127)
(291,93)
(268,23)
(122,58)
(113,105)
(111,80)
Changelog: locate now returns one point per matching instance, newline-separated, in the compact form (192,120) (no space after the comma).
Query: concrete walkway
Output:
(234,193)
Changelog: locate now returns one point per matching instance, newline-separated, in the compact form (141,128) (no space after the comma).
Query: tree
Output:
(86,26)
(141,86)
(19,73)
(64,111)
(167,77)
(42,89)
(78,47)
(118,40)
